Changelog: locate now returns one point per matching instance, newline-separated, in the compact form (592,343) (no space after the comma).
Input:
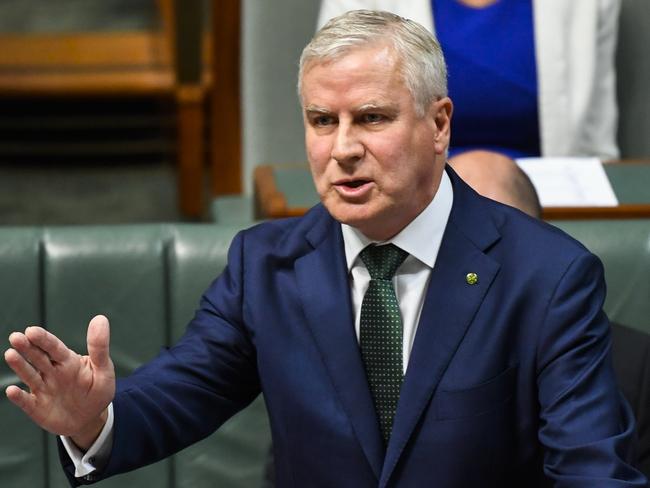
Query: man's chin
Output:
(355,215)
(377,222)
(368,221)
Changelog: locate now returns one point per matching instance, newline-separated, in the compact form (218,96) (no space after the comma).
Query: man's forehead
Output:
(366,71)
(380,52)
(376,104)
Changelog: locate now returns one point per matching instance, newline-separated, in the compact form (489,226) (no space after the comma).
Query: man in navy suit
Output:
(503,348)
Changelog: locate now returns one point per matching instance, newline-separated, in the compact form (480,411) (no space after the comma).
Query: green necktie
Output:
(381,332)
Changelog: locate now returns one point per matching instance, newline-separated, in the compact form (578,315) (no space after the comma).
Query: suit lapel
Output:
(449,308)
(325,294)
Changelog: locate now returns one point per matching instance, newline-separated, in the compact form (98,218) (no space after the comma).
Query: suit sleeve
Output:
(586,426)
(189,390)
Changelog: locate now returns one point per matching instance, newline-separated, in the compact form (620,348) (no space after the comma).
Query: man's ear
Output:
(440,112)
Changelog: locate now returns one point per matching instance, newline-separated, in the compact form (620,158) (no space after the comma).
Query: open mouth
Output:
(354,183)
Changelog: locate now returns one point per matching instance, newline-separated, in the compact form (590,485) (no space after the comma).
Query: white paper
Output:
(569,182)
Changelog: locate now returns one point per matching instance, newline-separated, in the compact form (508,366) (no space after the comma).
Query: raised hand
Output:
(68,393)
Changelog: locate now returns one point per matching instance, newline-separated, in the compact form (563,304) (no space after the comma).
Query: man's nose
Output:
(347,147)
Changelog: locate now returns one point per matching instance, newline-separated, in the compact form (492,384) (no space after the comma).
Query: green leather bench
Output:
(624,248)
(148,279)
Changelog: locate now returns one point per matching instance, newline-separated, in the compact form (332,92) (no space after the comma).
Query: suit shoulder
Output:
(534,237)
(287,236)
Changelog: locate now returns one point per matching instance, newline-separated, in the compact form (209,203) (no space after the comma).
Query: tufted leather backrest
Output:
(148,280)
(624,248)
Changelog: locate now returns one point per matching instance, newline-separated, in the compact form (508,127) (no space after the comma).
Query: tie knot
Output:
(382,261)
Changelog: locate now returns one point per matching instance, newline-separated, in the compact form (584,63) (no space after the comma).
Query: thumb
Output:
(98,341)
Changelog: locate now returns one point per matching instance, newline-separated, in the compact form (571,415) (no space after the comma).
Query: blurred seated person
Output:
(631,360)
(499,178)
(528,77)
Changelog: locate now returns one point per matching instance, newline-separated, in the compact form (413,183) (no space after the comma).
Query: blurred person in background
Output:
(528,77)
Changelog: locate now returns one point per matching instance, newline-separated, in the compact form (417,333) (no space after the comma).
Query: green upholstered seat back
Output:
(624,248)
(148,280)
(22,456)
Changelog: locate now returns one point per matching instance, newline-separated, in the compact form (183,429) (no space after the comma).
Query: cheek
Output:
(317,163)
(318,151)
(391,161)
(318,154)
(393,147)
(404,172)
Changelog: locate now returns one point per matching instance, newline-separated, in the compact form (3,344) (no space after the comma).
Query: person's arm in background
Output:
(575,47)
(600,123)
(605,106)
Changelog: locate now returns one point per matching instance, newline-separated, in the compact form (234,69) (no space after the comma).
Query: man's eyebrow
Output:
(372,106)
(388,107)
(316,109)
(361,108)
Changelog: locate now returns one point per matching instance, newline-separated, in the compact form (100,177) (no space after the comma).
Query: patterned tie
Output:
(381,332)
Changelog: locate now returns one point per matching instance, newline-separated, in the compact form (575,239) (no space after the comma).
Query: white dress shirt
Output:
(421,239)
(97,454)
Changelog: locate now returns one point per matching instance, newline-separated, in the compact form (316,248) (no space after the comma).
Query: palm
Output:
(66,390)
(72,395)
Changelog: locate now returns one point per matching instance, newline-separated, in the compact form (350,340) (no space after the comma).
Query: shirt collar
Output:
(421,238)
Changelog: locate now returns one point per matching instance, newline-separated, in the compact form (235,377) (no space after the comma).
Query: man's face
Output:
(375,162)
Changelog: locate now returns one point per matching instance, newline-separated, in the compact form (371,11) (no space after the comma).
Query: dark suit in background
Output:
(631,357)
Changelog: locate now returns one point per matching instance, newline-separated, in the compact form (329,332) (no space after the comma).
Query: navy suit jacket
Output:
(509,382)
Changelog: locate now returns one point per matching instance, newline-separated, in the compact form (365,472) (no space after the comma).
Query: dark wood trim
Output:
(225,132)
(190,115)
(88,50)
(157,83)
(269,201)
(95,64)
(624,211)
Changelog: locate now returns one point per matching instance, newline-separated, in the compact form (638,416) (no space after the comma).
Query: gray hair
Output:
(422,63)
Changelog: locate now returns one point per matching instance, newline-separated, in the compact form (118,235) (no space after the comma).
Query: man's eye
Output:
(372,118)
(322,120)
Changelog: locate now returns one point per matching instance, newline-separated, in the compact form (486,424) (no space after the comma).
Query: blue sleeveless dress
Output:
(490,54)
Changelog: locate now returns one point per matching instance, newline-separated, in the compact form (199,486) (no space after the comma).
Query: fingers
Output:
(24,370)
(32,353)
(48,343)
(98,340)
(20,398)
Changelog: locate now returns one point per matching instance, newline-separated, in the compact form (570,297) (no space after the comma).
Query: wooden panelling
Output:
(190,127)
(120,64)
(225,132)
(84,51)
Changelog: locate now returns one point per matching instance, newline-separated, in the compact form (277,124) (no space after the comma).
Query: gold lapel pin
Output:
(471,278)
